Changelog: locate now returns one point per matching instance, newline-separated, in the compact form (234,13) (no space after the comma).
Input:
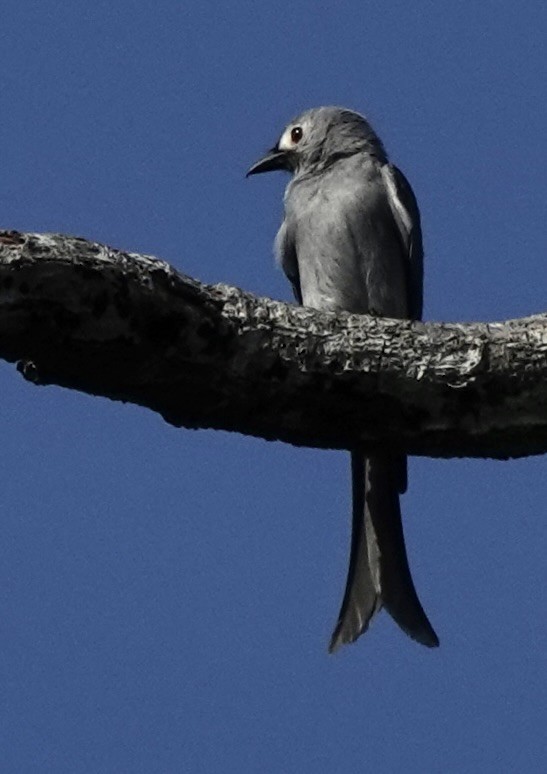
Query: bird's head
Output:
(317,138)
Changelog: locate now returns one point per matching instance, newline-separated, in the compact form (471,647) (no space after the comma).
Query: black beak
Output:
(274,159)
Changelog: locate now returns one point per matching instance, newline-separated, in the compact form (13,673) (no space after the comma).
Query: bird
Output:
(351,241)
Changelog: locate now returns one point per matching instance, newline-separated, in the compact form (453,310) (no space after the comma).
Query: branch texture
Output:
(129,327)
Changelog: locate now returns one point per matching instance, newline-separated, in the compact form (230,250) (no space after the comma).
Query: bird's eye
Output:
(296,134)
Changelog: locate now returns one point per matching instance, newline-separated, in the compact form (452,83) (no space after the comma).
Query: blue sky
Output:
(167,596)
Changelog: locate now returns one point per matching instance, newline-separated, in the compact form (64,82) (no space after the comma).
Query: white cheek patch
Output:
(285,143)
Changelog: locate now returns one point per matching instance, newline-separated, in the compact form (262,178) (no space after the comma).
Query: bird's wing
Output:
(285,250)
(407,217)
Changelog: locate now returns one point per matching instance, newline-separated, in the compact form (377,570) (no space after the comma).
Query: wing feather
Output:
(407,217)
(285,252)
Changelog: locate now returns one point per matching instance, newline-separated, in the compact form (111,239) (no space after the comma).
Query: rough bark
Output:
(129,327)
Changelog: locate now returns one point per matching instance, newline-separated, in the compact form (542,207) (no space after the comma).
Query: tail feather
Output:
(379,575)
(361,598)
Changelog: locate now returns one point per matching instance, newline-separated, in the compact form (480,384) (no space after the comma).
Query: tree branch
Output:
(129,327)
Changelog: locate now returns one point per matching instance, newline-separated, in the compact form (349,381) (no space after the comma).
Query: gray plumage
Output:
(351,241)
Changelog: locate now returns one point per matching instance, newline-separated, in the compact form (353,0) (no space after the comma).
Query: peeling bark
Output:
(129,327)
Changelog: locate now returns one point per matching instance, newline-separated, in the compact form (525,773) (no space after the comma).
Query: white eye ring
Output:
(291,137)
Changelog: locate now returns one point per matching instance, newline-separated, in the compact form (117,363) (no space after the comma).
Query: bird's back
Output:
(340,230)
